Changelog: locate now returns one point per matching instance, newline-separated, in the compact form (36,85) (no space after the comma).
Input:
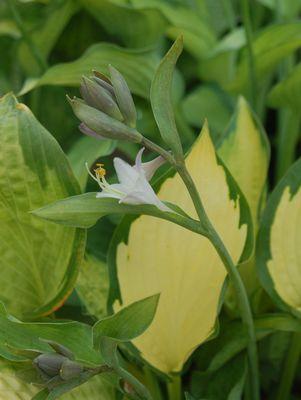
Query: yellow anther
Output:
(100,171)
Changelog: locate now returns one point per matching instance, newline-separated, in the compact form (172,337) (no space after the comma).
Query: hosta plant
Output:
(150,244)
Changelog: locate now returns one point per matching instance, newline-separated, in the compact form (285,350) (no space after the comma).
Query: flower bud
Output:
(50,363)
(97,96)
(103,81)
(70,369)
(59,348)
(123,97)
(87,131)
(103,124)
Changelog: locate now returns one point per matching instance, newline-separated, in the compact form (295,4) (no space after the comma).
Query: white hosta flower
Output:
(133,187)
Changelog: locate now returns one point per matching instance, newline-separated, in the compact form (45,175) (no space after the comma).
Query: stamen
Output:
(100,171)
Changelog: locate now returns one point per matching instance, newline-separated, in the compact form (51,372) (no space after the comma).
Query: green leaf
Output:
(270,46)
(34,170)
(234,40)
(286,93)
(225,384)
(46,34)
(128,323)
(161,98)
(208,102)
(277,322)
(278,246)
(137,67)
(195,28)
(133,27)
(15,334)
(9,28)
(84,210)
(87,150)
(92,286)
(288,8)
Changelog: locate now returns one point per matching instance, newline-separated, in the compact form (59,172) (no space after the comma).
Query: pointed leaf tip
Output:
(161,99)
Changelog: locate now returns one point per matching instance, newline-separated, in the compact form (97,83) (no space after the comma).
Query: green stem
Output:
(289,369)
(174,388)
(249,36)
(27,38)
(242,297)
(152,384)
(158,149)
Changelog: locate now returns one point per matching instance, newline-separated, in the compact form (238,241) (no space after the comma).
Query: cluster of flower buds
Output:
(107,109)
(58,366)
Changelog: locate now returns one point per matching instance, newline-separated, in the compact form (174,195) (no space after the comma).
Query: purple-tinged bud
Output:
(87,131)
(103,124)
(97,96)
(123,96)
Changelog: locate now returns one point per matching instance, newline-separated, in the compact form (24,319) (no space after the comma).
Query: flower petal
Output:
(127,175)
(138,161)
(143,193)
(150,167)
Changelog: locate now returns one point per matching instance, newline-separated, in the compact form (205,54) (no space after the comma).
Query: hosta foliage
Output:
(278,243)
(146,294)
(33,170)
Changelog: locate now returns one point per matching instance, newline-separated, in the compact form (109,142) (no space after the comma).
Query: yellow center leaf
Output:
(245,152)
(181,265)
(285,263)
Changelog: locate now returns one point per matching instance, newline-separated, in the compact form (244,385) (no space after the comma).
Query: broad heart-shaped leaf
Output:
(180,265)
(271,46)
(286,93)
(134,28)
(87,150)
(161,98)
(129,322)
(137,66)
(279,243)
(37,272)
(15,334)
